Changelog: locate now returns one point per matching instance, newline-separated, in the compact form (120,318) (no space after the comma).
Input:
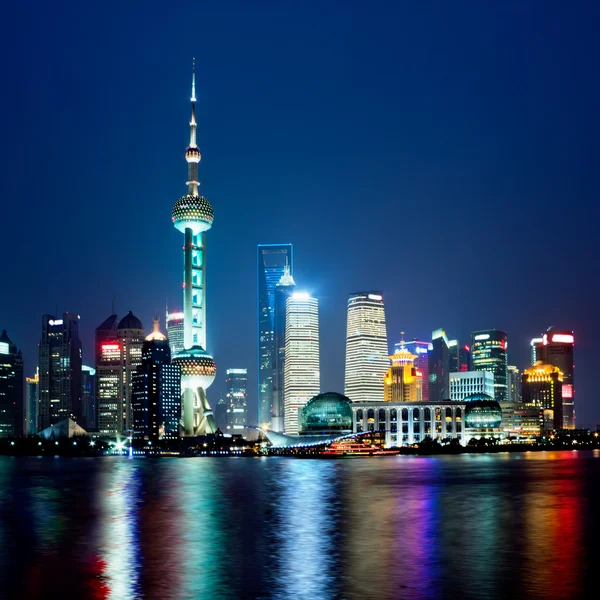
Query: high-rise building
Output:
(468,383)
(220,414)
(88,397)
(12,415)
(556,349)
(488,353)
(283,290)
(193,216)
(366,348)
(439,367)
(156,391)
(514,384)
(175,331)
(421,363)
(536,345)
(130,333)
(237,402)
(404,382)
(109,409)
(542,386)
(272,262)
(32,386)
(60,370)
(302,372)
(460,357)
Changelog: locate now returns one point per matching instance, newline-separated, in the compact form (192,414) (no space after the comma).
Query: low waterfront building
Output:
(520,421)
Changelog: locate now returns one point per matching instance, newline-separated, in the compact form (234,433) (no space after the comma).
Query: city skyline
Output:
(397,161)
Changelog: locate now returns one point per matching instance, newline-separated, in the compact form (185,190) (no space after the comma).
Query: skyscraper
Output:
(175,331)
(283,290)
(88,397)
(130,334)
(542,386)
(366,348)
(60,370)
(156,391)
(460,357)
(109,409)
(193,216)
(404,383)
(421,363)
(32,385)
(468,383)
(439,367)
(302,379)
(514,384)
(237,404)
(12,415)
(272,261)
(556,349)
(488,353)
(536,346)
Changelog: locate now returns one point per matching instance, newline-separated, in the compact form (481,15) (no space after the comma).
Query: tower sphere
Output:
(198,368)
(193,212)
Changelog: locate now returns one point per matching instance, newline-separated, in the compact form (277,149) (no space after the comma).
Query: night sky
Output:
(445,153)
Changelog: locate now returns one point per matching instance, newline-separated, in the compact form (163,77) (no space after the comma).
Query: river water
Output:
(521,525)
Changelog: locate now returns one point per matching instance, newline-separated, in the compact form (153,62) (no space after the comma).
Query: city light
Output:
(561,338)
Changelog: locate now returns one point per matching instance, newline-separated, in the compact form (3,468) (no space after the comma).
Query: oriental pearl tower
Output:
(193,216)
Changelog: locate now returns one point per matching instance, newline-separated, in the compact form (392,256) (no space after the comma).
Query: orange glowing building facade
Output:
(542,386)
(404,382)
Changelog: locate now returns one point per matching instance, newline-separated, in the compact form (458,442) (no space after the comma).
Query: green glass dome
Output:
(483,414)
(478,396)
(326,413)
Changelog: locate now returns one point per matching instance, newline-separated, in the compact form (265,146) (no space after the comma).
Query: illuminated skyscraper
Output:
(439,367)
(193,216)
(536,346)
(556,349)
(175,331)
(237,403)
(60,370)
(32,387)
(156,391)
(542,386)
(109,410)
(514,384)
(130,335)
(366,348)
(283,290)
(421,363)
(272,262)
(404,382)
(488,353)
(467,383)
(302,378)
(460,357)
(12,415)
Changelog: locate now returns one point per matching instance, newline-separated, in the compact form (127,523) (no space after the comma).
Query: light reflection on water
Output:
(470,526)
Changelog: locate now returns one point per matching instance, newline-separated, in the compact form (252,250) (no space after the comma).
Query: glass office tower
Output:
(488,353)
(272,260)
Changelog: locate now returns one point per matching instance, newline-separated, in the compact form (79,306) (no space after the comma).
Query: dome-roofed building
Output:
(326,414)
(130,321)
(482,413)
(478,397)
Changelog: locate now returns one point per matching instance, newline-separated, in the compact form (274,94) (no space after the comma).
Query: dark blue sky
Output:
(443,152)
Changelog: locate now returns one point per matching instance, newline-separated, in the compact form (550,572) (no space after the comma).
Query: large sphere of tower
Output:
(198,368)
(193,212)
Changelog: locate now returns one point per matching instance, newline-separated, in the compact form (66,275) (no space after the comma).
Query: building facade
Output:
(156,391)
(302,376)
(421,363)
(404,382)
(407,423)
(469,383)
(520,421)
(60,370)
(175,331)
(12,414)
(366,348)
(460,357)
(514,384)
(283,290)
(488,353)
(237,401)
(542,386)
(439,367)
(88,398)
(272,261)
(32,386)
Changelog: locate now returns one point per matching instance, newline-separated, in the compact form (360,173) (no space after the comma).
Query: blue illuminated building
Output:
(272,262)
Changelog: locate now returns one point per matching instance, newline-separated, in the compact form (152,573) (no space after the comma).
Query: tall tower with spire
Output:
(193,215)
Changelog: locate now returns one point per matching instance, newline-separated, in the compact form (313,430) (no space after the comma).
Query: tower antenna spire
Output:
(192,154)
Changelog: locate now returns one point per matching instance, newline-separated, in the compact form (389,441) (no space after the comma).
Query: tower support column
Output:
(188,291)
